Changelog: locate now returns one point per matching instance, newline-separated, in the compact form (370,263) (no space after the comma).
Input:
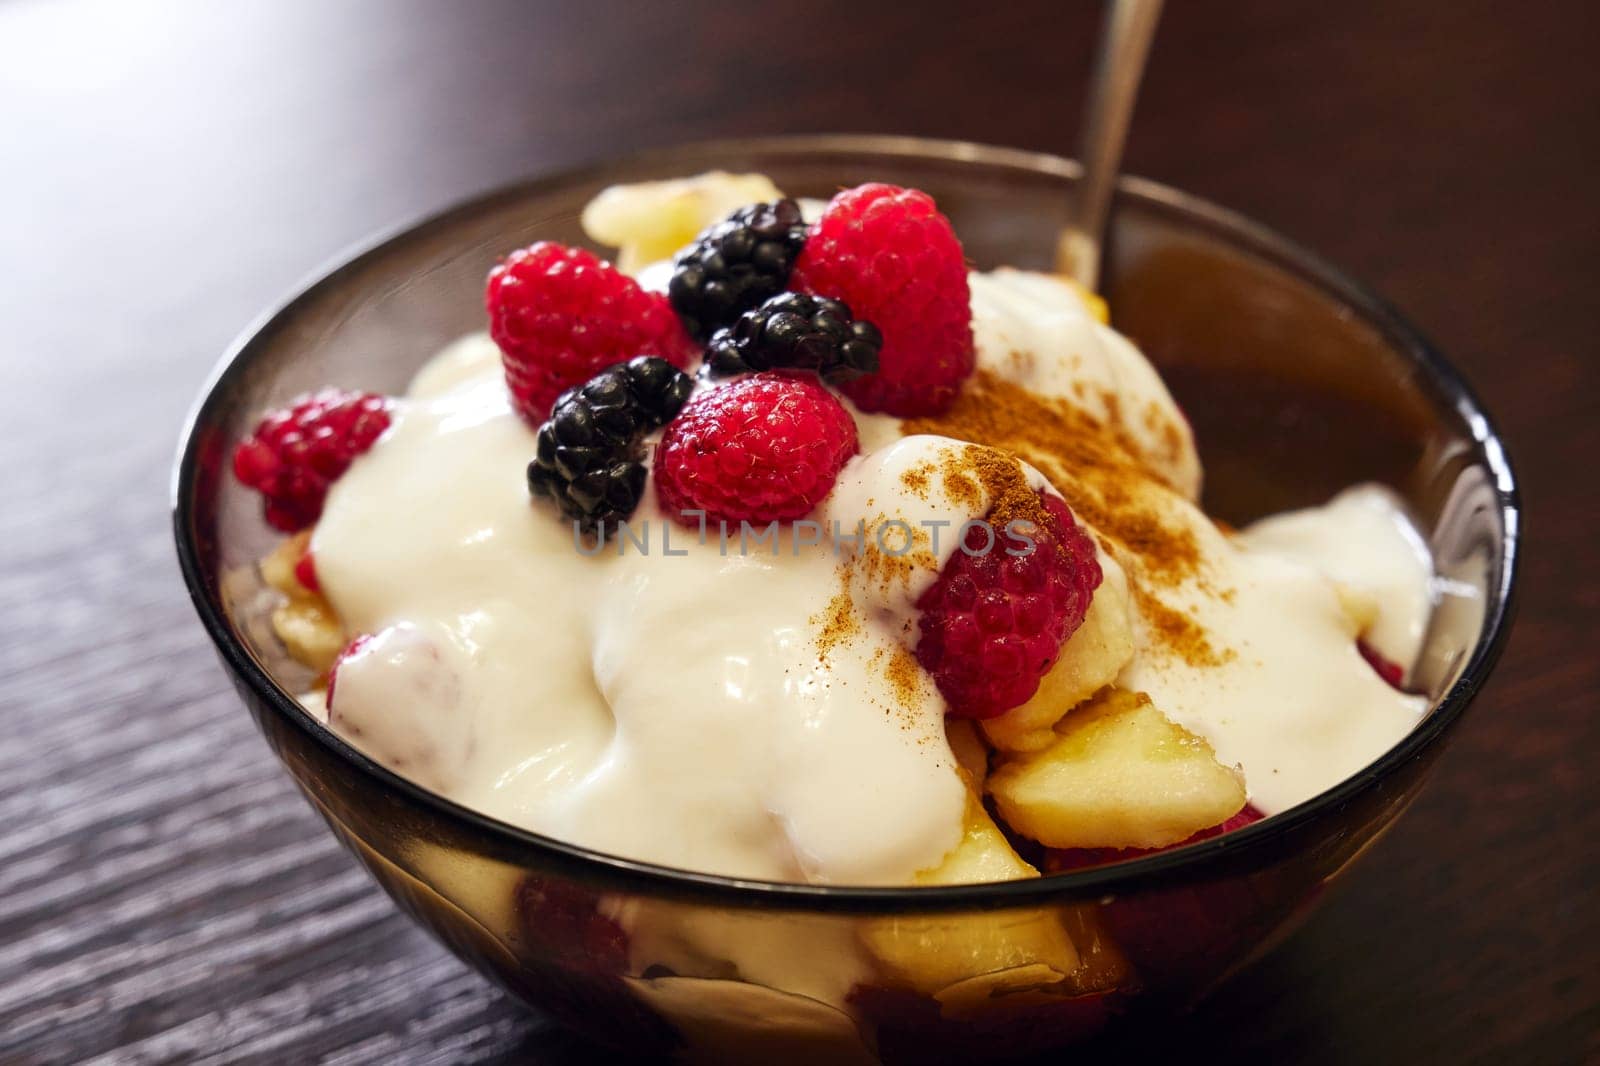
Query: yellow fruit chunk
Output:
(983,855)
(309,631)
(1093,301)
(306,623)
(1090,660)
(932,952)
(1120,774)
(277,569)
(651,220)
(1101,964)
(972,754)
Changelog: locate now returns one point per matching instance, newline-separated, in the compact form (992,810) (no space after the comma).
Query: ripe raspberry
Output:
(355,647)
(298,451)
(993,624)
(1392,673)
(305,571)
(890,255)
(560,316)
(764,447)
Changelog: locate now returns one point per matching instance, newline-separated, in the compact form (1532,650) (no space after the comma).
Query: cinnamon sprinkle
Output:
(905,678)
(1105,480)
(1178,632)
(917,479)
(836,624)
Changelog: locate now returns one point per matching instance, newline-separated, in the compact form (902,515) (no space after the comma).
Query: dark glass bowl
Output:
(1299,382)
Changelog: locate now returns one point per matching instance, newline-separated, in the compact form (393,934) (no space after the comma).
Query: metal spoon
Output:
(1119,68)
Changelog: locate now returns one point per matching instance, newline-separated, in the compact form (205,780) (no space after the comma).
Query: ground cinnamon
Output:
(1105,479)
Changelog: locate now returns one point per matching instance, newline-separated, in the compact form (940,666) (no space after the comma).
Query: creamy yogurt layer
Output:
(753,709)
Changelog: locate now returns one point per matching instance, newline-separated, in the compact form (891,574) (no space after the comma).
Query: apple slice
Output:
(933,952)
(971,753)
(1090,660)
(1119,774)
(305,622)
(648,221)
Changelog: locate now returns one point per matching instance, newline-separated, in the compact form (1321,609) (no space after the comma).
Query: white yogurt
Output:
(1291,700)
(688,709)
(1362,540)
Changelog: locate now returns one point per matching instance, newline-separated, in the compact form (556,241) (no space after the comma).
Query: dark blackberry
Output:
(735,265)
(796,330)
(658,387)
(587,457)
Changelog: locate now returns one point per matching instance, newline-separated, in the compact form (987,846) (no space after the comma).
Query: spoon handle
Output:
(1119,68)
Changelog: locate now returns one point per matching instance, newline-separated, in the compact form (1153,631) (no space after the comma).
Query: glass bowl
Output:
(1298,381)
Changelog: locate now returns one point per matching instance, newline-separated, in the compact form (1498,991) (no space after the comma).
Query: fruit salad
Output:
(788,546)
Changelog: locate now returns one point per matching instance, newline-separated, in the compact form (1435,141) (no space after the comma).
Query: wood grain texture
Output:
(167,169)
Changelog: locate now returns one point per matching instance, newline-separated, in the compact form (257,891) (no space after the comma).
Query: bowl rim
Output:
(624,874)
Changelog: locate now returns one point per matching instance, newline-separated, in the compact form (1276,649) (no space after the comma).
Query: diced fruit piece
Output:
(932,952)
(763,448)
(1092,301)
(1101,964)
(305,572)
(404,696)
(310,631)
(894,259)
(1391,672)
(648,221)
(560,316)
(306,623)
(1063,860)
(1190,934)
(994,623)
(1119,775)
(565,919)
(982,856)
(296,453)
(1090,660)
(575,959)
(972,754)
(735,266)
(798,332)
(587,455)
(280,567)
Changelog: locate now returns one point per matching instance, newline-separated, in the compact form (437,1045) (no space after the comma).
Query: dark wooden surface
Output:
(167,170)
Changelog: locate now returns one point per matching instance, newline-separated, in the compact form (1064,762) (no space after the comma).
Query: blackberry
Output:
(796,330)
(658,387)
(735,265)
(587,457)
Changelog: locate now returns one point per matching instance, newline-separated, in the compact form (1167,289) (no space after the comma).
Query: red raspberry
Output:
(892,257)
(305,571)
(560,316)
(298,451)
(355,647)
(764,447)
(1392,672)
(993,624)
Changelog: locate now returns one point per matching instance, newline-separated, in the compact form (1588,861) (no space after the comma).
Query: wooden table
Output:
(169,170)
